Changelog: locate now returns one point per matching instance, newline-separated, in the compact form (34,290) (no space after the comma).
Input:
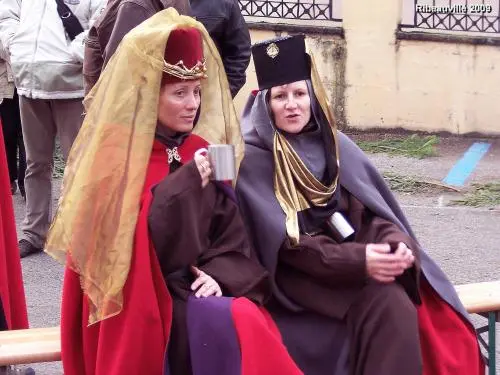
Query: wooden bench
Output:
(484,299)
(30,346)
(44,344)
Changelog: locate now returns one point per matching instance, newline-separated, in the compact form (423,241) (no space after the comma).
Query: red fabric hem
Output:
(448,342)
(262,350)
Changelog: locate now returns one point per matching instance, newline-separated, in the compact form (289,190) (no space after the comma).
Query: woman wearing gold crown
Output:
(154,250)
(353,292)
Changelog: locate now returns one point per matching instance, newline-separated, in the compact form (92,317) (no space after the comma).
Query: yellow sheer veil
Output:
(104,176)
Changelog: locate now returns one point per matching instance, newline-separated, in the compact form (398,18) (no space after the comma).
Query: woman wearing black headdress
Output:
(353,291)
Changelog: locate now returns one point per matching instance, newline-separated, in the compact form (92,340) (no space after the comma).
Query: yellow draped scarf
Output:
(296,188)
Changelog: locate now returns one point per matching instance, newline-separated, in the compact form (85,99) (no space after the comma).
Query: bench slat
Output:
(480,297)
(23,335)
(30,346)
(33,352)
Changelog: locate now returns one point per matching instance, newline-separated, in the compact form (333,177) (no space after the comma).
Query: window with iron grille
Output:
(313,10)
(480,16)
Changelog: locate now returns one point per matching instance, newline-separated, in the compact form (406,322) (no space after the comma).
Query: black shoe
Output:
(26,248)
(13,187)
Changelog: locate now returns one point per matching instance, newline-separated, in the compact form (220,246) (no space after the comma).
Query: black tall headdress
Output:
(281,61)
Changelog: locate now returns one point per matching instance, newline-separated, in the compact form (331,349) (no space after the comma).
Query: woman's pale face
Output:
(178,104)
(291,106)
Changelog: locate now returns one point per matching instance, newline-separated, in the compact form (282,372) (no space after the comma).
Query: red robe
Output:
(11,279)
(449,344)
(134,341)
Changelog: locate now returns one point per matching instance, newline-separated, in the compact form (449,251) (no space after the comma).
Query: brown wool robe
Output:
(330,278)
(191,225)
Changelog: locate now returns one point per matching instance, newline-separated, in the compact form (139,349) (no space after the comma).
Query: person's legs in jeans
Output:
(68,117)
(63,116)
(39,132)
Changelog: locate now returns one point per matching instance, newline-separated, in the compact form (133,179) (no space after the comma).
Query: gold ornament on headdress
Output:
(181,71)
(272,50)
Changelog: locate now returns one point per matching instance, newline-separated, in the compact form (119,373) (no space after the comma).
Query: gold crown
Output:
(181,71)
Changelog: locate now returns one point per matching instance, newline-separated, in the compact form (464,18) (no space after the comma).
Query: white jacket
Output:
(46,64)
(6,81)
(6,77)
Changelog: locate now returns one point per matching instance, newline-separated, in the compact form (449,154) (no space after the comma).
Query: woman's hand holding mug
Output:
(216,162)
(203,164)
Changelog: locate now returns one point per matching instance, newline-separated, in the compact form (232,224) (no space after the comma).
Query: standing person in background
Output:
(229,31)
(44,43)
(222,19)
(11,125)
